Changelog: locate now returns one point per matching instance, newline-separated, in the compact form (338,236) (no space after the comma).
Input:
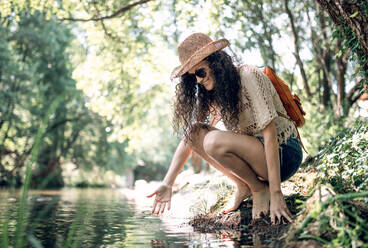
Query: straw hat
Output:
(194,49)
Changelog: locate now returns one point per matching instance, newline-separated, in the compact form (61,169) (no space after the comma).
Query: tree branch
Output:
(70,141)
(109,34)
(62,122)
(351,95)
(113,15)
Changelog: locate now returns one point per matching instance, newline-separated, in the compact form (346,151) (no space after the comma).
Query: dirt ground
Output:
(239,226)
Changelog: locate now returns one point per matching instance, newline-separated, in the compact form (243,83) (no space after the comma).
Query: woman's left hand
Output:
(279,209)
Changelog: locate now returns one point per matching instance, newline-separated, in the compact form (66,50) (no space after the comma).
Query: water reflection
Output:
(98,218)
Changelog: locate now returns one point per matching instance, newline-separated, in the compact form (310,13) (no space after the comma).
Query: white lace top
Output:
(260,106)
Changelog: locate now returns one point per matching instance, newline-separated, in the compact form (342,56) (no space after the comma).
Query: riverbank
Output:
(200,197)
(328,198)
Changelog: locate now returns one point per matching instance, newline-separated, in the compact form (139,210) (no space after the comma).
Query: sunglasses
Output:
(201,73)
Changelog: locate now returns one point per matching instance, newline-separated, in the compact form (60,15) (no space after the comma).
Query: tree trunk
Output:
(49,174)
(326,91)
(349,12)
(268,35)
(341,71)
(319,85)
(324,56)
(296,48)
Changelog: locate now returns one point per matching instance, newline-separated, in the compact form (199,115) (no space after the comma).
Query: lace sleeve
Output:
(258,92)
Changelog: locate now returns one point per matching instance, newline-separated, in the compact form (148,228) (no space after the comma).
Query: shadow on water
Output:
(97,218)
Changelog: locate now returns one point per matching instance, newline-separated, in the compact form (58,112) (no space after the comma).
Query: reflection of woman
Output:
(260,146)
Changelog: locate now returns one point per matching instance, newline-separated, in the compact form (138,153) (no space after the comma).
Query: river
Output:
(97,218)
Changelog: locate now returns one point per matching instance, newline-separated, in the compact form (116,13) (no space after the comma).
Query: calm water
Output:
(98,218)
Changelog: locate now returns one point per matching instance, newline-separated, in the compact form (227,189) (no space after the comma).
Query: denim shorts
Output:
(291,156)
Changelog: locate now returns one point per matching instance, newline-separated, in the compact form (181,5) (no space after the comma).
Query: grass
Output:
(21,221)
(342,167)
(23,236)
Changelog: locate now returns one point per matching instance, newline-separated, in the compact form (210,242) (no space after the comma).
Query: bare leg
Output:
(244,156)
(242,190)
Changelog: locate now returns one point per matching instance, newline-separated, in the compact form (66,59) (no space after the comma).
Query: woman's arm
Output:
(164,191)
(278,206)
(177,163)
(271,146)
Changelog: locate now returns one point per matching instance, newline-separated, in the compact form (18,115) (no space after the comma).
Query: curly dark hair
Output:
(194,103)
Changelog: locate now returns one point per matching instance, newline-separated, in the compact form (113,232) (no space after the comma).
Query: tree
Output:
(352,14)
(351,20)
(35,69)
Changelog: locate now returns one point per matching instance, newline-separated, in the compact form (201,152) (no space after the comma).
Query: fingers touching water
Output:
(159,207)
(162,200)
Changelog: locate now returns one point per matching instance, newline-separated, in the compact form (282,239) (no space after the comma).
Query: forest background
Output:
(108,63)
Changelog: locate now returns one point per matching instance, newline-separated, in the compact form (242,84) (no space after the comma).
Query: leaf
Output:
(354,15)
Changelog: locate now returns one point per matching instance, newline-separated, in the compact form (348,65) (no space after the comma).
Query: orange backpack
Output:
(290,101)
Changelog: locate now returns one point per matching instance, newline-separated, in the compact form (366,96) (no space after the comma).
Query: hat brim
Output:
(198,56)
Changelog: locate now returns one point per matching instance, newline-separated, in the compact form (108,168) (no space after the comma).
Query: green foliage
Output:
(320,121)
(336,222)
(351,42)
(340,220)
(22,209)
(36,68)
(250,26)
(344,162)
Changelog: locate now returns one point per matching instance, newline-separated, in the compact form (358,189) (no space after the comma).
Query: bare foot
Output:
(240,194)
(261,202)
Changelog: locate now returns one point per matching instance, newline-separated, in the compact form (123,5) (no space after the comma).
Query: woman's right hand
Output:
(163,198)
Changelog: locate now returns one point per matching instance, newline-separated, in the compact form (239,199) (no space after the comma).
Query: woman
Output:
(260,148)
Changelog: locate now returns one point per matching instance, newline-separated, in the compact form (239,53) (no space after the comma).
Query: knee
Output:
(213,145)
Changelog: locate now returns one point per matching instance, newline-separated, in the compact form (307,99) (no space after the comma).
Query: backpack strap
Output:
(300,139)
